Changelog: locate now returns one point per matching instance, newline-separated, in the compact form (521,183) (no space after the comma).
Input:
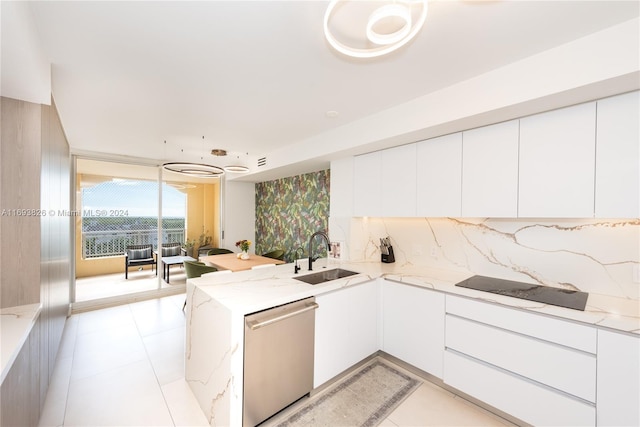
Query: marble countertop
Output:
(15,325)
(254,290)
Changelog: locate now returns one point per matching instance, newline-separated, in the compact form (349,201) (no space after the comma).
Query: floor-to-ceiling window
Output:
(118,205)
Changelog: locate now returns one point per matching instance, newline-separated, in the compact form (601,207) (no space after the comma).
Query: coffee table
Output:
(172,260)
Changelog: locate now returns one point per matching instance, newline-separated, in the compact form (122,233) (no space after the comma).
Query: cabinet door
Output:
(413,325)
(346,329)
(618,157)
(526,400)
(439,185)
(490,171)
(399,181)
(557,158)
(367,184)
(341,195)
(618,379)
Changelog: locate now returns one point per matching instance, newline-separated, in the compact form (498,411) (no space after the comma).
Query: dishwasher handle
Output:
(255,324)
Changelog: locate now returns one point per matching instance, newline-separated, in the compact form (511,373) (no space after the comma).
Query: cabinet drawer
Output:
(546,328)
(530,402)
(565,369)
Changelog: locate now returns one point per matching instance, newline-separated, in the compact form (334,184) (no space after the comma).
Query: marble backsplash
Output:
(592,255)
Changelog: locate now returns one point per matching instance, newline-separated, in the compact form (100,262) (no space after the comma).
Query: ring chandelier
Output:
(401,11)
(199,170)
(203,170)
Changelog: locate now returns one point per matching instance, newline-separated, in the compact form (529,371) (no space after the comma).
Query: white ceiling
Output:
(253,77)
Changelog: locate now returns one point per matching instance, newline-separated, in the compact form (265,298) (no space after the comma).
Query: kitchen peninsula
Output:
(217,304)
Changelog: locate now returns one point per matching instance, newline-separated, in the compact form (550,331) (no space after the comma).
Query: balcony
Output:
(96,244)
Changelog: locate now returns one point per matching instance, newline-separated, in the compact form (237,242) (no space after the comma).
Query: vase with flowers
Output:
(244,247)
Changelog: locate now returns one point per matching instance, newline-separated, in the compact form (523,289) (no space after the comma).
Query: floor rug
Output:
(365,398)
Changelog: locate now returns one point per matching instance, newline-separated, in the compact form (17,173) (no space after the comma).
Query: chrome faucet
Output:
(326,239)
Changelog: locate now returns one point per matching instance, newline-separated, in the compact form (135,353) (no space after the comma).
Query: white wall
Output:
(239,214)
(26,72)
(596,66)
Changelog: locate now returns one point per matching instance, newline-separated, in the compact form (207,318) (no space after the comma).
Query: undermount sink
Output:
(325,276)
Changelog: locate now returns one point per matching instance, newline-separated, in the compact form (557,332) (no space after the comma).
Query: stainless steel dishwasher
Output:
(278,358)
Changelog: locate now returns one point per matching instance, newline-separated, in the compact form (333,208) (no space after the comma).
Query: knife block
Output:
(388,258)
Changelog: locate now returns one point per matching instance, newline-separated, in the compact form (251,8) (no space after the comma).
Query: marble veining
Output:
(595,256)
(217,304)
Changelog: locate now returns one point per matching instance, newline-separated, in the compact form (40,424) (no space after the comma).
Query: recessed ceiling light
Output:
(331,114)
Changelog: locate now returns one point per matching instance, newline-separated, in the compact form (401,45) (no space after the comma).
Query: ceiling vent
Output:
(262,161)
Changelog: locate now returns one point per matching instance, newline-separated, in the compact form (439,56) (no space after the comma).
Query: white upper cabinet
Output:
(618,157)
(399,181)
(439,175)
(341,197)
(557,158)
(367,184)
(575,162)
(490,171)
(385,183)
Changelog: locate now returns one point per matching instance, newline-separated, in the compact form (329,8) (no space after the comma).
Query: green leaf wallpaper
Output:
(289,211)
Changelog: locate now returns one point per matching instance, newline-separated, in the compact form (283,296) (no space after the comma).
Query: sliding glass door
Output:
(123,211)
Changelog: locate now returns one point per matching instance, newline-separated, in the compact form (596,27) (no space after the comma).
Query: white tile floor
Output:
(110,285)
(124,366)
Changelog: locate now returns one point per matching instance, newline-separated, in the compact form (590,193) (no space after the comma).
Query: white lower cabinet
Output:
(413,325)
(346,329)
(618,379)
(557,366)
(518,362)
(531,402)
(539,369)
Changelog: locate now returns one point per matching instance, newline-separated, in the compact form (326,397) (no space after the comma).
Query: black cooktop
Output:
(576,300)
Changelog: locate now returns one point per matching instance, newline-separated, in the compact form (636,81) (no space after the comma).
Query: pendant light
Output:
(237,167)
(197,170)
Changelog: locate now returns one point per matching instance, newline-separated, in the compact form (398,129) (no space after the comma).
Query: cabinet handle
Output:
(253,325)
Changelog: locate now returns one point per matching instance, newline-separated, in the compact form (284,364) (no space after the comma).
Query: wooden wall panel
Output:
(34,246)
(20,202)
(19,393)
(56,238)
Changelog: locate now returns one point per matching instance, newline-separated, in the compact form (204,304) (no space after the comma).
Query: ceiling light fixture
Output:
(197,170)
(236,169)
(383,16)
(218,152)
(239,167)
